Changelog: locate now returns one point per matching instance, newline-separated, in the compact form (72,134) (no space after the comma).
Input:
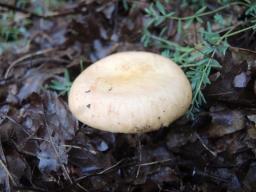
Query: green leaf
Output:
(179,27)
(251,10)
(62,86)
(215,64)
(199,20)
(188,23)
(160,8)
(125,5)
(66,75)
(162,32)
(159,20)
(201,10)
(219,19)
(166,53)
(145,39)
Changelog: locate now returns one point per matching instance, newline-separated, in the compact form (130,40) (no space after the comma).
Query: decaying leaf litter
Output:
(43,148)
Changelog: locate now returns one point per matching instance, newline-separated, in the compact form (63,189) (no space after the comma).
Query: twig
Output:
(57,154)
(205,146)
(220,94)
(22,151)
(7,171)
(111,167)
(81,187)
(41,52)
(32,14)
(15,122)
(2,159)
(140,155)
(108,169)
(11,7)
(101,172)
(204,13)
(155,162)
(238,49)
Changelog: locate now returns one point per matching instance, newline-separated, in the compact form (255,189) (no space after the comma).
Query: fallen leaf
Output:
(4,173)
(225,122)
(241,80)
(250,178)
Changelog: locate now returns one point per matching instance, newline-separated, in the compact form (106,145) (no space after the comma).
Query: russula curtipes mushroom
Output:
(130,92)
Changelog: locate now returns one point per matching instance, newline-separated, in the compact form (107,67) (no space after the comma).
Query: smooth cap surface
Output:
(130,92)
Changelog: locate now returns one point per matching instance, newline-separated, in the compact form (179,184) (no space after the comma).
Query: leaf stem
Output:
(198,87)
(207,13)
(240,31)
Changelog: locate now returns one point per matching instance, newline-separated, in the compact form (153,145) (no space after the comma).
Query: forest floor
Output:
(44,45)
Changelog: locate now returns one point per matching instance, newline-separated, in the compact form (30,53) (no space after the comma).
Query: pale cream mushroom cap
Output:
(130,92)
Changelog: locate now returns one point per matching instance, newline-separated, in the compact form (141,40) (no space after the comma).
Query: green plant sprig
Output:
(158,13)
(62,86)
(196,60)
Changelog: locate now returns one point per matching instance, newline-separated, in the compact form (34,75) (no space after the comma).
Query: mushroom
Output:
(130,92)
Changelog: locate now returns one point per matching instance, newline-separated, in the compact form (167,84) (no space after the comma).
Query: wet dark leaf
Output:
(179,137)
(88,156)
(250,178)
(225,122)
(233,84)
(59,127)
(4,173)
(33,81)
(241,80)
(17,166)
(252,129)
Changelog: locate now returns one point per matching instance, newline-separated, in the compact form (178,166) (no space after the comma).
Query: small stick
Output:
(54,15)
(140,156)
(155,162)
(204,145)
(41,52)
